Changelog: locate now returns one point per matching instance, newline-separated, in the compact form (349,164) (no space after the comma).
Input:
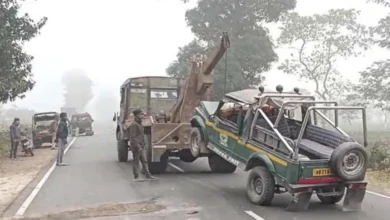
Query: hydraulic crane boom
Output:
(197,85)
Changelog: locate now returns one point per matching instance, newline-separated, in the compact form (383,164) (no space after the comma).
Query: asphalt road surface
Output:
(187,191)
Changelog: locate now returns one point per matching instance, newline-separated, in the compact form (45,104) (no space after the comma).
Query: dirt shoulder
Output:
(15,175)
(379,181)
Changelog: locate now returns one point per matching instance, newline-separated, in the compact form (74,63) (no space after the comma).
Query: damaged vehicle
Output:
(277,138)
(41,128)
(81,123)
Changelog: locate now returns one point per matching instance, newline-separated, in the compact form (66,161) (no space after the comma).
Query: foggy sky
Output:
(127,38)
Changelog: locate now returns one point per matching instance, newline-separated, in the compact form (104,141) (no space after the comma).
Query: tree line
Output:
(317,44)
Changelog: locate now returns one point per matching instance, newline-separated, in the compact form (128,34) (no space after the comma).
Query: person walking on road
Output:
(62,138)
(137,144)
(16,135)
(53,130)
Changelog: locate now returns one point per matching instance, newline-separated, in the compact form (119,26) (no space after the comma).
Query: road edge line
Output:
(38,187)
(254,215)
(176,167)
(378,194)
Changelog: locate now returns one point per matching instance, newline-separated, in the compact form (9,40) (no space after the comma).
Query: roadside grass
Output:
(4,145)
(379,181)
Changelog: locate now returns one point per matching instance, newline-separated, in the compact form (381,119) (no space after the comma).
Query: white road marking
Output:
(253,215)
(378,194)
(370,192)
(38,187)
(176,167)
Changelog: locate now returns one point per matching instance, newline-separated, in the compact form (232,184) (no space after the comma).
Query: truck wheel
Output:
(218,165)
(330,200)
(186,156)
(260,188)
(349,161)
(159,167)
(196,142)
(36,144)
(123,151)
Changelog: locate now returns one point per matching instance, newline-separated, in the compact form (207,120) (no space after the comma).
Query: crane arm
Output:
(197,85)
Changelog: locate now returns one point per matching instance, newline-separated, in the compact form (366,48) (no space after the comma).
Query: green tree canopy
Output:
(15,64)
(374,81)
(252,50)
(319,41)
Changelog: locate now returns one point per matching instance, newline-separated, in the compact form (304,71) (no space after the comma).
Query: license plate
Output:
(322,172)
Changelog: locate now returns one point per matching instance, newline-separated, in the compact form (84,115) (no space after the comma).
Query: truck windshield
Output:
(163,93)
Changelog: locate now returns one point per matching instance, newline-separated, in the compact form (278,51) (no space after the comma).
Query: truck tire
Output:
(196,142)
(219,165)
(159,167)
(260,188)
(349,161)
(123,151)
(186,156)
(330,200)
(36,144)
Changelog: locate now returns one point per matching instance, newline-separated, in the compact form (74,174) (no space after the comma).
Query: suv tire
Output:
(260,188)
(196,142)
(123,151)
(349,161)
(159,167)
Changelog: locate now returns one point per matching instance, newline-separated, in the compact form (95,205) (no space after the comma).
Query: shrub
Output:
(4,144)
(379,156)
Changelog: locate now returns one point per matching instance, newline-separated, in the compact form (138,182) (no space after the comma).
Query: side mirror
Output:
(114,118)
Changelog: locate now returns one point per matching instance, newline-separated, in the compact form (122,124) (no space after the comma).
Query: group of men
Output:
(60,131)
(60,135)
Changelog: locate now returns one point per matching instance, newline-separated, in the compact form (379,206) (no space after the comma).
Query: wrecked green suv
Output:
(276,136)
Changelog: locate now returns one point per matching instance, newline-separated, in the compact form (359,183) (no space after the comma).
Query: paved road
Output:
(95,177)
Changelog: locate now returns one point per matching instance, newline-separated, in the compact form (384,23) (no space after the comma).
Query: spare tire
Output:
(349,161)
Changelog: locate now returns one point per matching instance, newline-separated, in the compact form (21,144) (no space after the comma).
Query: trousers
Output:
(14,149)
(53,140)
(139,156)
(61,148)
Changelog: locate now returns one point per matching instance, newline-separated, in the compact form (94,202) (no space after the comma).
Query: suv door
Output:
(226,134)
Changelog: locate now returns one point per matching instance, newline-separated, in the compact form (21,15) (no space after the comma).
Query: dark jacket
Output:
(136,135)
(62,131)
(15,132)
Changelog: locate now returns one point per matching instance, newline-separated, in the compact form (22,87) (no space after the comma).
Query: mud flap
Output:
(353,199)
(299,202)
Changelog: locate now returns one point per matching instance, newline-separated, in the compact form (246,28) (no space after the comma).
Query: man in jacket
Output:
(137,143)
(16,135)
(62,138)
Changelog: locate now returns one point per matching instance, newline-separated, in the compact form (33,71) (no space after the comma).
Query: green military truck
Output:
(155,95)
(41,123)
(83,123)
(169,104)
(276,136)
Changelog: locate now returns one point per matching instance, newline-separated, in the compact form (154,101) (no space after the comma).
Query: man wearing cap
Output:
(137,143)
(62,138)
(16,135)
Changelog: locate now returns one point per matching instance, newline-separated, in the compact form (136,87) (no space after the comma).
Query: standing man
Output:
(16,135)
(62,138)
(137,143)
(53,131)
